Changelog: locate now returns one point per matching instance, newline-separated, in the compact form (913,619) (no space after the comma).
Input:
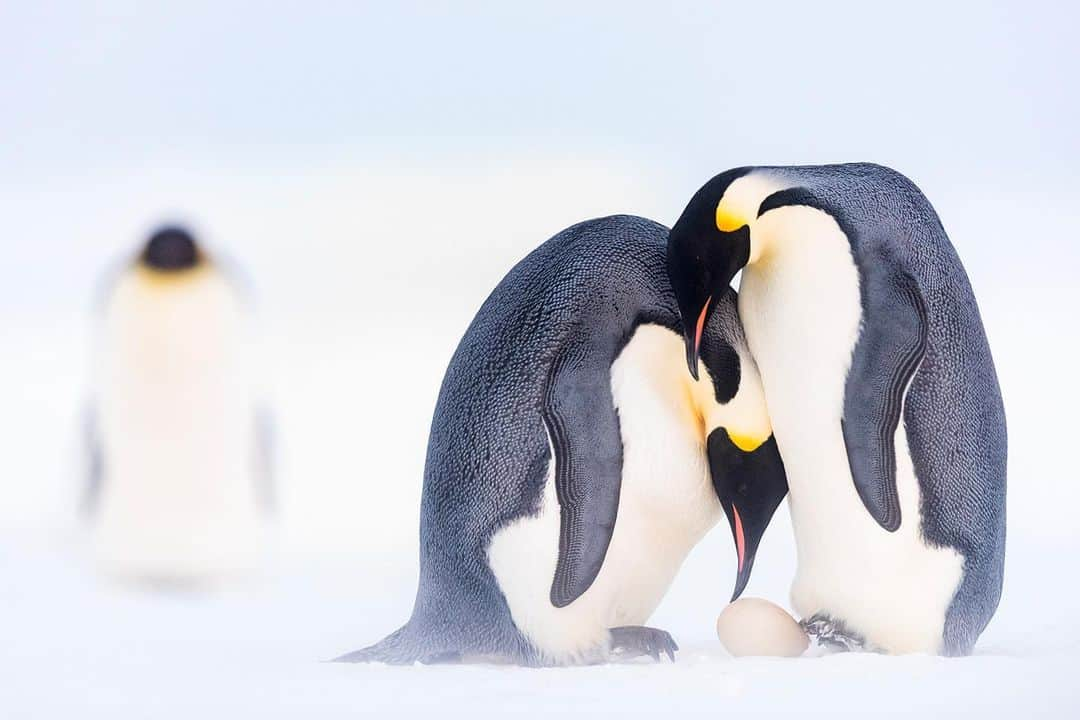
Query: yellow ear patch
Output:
(726,220)
(746,443)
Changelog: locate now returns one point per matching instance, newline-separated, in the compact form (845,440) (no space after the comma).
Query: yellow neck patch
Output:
(170,278)
(726,220)
(746,443)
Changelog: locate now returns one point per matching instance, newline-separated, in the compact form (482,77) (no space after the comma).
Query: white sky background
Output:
(377,169)
(131,109)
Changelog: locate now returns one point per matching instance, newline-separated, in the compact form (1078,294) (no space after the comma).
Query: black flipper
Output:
(580,415)
(265,445)
(890,347)
(94,457)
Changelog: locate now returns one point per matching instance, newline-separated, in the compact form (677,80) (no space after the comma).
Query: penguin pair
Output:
(573,462)
(881,389)
(180,461)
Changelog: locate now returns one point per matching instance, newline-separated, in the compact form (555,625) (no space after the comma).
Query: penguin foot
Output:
(634,640)
(833,634)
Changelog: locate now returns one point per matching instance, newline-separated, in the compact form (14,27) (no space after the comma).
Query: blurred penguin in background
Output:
(179,484)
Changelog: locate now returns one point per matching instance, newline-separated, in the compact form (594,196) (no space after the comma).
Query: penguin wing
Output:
(580,415)
(891,345)
(265,444)
(93,459)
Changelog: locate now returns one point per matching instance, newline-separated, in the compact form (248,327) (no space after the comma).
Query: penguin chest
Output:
(666,505)
(178,499)
(667,502)
(801,310)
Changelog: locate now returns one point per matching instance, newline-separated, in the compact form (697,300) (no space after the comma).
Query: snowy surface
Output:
(72,645)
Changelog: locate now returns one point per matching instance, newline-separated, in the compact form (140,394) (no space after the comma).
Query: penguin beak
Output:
(693,338)
(750,485)
(745,556)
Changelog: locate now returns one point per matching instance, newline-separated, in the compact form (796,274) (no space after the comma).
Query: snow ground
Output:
(74,645)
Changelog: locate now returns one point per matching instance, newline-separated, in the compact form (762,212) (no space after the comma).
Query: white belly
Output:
(666,506)
(801,312)
(178,498)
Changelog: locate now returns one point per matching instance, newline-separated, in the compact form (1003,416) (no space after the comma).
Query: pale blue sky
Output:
(988,88)
(261,122)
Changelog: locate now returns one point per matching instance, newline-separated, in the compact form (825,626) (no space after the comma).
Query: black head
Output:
(170,249)
(705,250)
(750,483)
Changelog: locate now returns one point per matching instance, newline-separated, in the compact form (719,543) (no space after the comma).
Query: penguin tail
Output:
(404,646)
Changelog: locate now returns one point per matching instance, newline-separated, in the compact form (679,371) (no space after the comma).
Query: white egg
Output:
(752,626)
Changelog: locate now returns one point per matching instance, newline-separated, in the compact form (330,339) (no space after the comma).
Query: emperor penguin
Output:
(859,314)
(568,466)
(180,486)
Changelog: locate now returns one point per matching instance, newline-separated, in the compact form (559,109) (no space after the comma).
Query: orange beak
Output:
(694,348)
(740,539)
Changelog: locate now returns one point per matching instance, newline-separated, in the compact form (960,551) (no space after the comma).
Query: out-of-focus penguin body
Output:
(567,473)
(180,494)
(860,315)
